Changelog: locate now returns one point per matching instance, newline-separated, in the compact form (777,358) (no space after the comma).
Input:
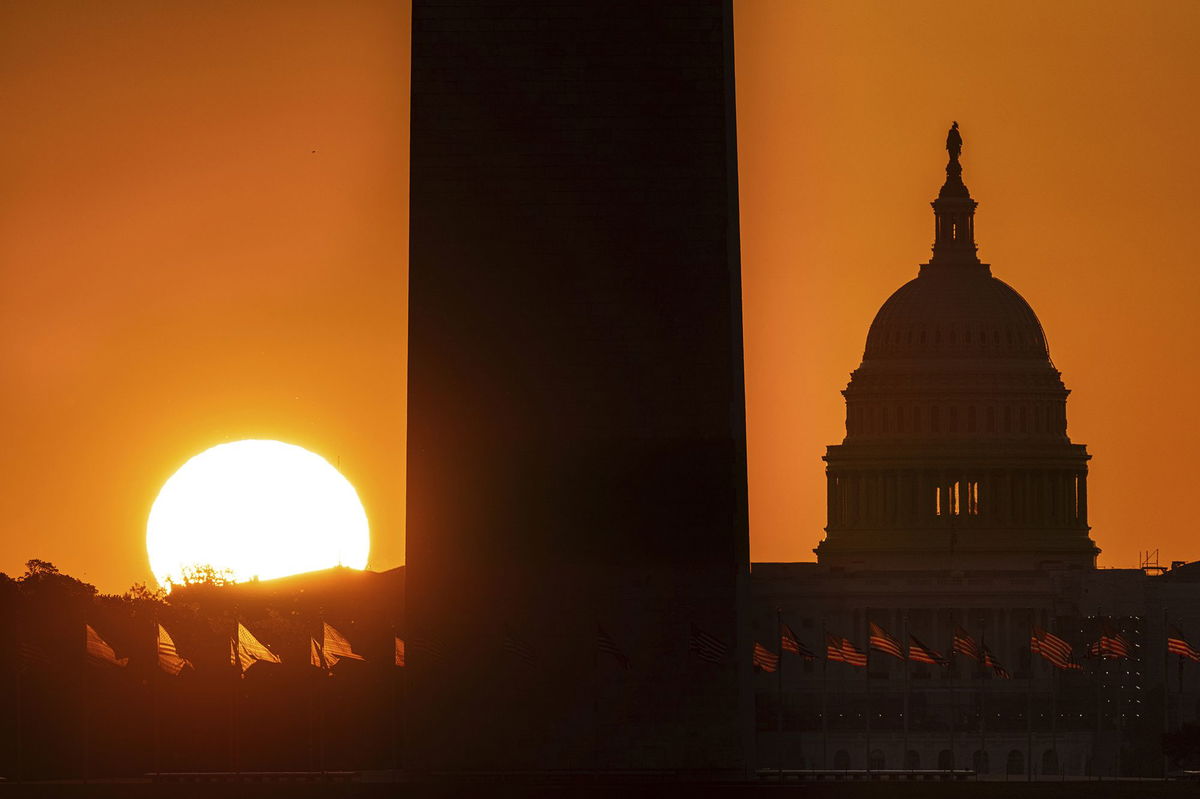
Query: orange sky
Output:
(179,268)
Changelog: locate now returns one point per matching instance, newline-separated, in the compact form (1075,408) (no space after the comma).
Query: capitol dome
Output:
(956,312)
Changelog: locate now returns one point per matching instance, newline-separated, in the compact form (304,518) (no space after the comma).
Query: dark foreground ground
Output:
(624,790)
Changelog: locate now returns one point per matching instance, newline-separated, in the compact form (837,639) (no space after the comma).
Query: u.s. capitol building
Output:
(957,504)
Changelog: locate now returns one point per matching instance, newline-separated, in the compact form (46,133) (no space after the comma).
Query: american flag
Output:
(1112,644)
(335,647)
(991,663)
(841,650)
(922,654)
(788,642)
(964,644)
(518,647)
(32,655)
(99,652)
(169,659)
(706,647)
(1178,645)
(606,644)
(1053,649)
(765,659)
(245,650)
(428,649)
(884,642)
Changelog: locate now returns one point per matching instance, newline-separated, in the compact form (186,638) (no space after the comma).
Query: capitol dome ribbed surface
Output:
(956,313)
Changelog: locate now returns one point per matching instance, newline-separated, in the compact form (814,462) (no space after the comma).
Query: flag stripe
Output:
(707,647)
(964,644)
(606,644)
(882,641)
(764,658)
(920,653)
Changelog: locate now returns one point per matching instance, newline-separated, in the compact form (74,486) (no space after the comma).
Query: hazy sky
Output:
(203,238)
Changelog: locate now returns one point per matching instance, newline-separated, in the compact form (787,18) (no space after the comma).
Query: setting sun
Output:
(252,509)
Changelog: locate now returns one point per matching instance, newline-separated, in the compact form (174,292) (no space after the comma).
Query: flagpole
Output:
(953,667)
(87,717)
(1056,678)
(396,680)
(154,709)
(779,695)
(825,701)
(981,696)
(596,700)
(1099,711)
(235,707)
(907,684)
(1166,693)
(868,713)
(1120,692)
(323,672)
(20,686)
(1029,721)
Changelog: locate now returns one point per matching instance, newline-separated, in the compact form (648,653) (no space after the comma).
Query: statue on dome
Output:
(954,142)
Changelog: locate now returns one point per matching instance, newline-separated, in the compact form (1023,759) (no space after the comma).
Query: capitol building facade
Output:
(957,543)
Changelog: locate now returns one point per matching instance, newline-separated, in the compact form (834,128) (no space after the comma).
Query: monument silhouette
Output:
(576,432)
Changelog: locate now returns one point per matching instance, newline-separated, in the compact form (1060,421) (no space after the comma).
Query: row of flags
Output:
(245,649)
(1050,647)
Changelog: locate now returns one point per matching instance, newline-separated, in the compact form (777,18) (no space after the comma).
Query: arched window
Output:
(1016,762)
(1050,761)
(841,760)
(899,419)
(877,761)
(991,419)
(912,760)
(946,760)
(971,419)
(953,419)
(979,762)
(1008,418)
(935,420)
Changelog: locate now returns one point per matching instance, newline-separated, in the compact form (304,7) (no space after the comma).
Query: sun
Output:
(256,509)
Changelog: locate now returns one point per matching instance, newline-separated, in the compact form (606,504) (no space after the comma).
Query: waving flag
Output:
(1053,649)
(1112,644)
(707,647)
(245,650)
(427,650)
(964,644)
(1178,645)
(882,641)
(842,650)
(336,647)
(99,652)
(922,654)
(606,644)
(991,663)
(315,658)
(518,647)
(788,642)
(169,659)
(764,659)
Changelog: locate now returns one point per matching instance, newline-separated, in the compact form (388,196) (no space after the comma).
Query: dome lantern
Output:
(954,212)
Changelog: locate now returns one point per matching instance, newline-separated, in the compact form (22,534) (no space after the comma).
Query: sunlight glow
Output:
(256,508)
